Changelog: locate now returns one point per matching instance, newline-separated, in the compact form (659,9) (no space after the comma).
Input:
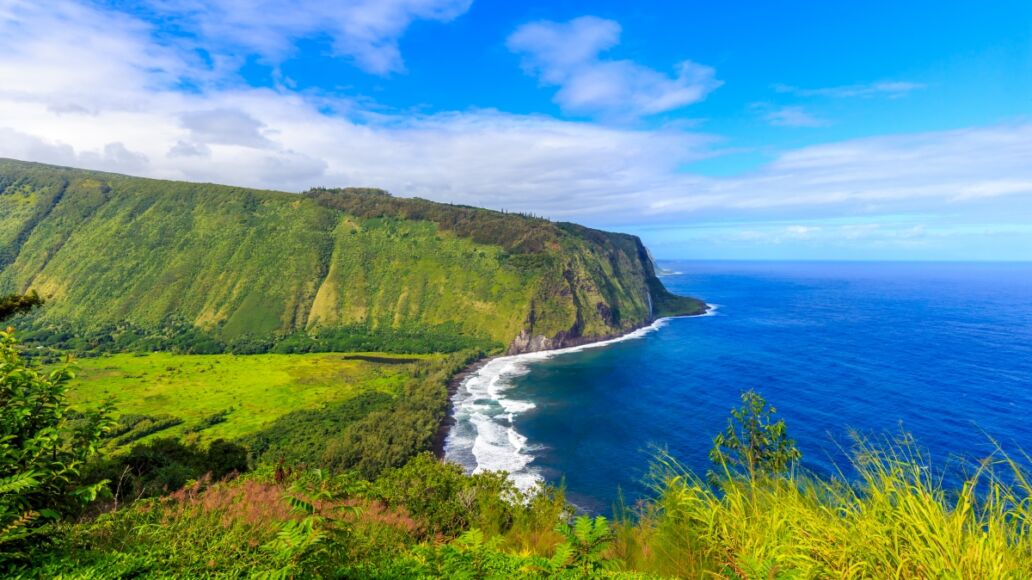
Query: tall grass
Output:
(895,519)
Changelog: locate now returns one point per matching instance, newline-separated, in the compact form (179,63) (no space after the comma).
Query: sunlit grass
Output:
(896,519)
(258,388)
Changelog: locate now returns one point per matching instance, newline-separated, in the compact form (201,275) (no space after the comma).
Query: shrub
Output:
(447,500)
(166,465)
(12,304)
(42,451)
(753,443)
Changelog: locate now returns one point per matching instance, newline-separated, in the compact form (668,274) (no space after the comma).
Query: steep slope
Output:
(110,250)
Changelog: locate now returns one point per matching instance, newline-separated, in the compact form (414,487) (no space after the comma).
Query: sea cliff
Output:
(115,254)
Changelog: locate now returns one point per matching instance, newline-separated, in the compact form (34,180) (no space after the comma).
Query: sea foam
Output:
(484,435)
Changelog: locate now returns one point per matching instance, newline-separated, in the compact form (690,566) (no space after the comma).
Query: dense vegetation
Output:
(140,264)
(759,516)
(17,303)
(43,450)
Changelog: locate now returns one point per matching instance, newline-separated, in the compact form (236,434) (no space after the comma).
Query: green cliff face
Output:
(107,249)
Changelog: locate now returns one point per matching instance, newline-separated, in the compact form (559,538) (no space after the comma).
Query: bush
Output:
(166,465)
(753,445)
(446,499)
(12,304)
(43,448)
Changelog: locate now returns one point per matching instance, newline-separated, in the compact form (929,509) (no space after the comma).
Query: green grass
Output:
(894,519)
(258,388)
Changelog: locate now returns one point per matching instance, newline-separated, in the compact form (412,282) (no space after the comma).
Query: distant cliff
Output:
(109,250)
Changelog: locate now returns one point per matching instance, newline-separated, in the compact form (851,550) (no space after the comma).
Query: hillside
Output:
(117,255)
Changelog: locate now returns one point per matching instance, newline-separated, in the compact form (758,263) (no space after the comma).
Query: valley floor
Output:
(248,391)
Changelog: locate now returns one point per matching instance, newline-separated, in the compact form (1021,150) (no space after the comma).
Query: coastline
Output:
(457,380)
(453,385)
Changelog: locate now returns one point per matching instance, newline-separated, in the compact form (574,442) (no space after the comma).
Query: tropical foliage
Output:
(43,449)
(197,461)
(388,511)
(428,519)
(754,444)
(17,303)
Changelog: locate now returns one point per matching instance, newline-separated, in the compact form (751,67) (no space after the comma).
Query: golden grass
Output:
(896,521)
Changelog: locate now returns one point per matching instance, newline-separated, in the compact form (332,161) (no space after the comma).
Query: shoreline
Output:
(456,380)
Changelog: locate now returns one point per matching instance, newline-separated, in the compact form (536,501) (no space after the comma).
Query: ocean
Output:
(942,351)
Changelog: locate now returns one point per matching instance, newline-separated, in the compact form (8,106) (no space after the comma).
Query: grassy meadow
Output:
(254,389)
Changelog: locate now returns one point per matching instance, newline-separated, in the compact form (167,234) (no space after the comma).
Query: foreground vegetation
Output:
(428,519)
(372,506)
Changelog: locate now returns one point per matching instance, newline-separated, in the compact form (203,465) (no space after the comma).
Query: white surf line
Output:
(484,437)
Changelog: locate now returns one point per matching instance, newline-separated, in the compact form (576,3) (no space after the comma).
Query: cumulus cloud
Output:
(114,156)
(139,121)
(366,31)
(18,145)
(568,55)
(189,149)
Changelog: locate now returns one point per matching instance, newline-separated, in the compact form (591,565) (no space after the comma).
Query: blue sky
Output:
(765,130)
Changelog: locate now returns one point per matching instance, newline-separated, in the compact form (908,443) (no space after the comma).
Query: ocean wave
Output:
(711,310)
(484,436)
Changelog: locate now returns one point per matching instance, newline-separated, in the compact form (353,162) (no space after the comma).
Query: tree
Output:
(12,304)
(43,447)
(753,443)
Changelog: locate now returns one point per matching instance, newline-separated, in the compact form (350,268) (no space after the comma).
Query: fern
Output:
(18,483)
(585,546)
(19,528)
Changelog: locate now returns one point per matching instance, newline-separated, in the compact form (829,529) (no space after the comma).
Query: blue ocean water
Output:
(943,351)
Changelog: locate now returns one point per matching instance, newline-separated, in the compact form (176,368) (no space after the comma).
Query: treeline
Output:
(49,342)
(516,233)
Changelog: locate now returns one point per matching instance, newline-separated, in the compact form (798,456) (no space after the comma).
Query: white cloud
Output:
(567,55)
(910,172)
(366,31)
(792,116)
(189,149)
(225,127)
(889,89)
(114,156)
(91,88)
